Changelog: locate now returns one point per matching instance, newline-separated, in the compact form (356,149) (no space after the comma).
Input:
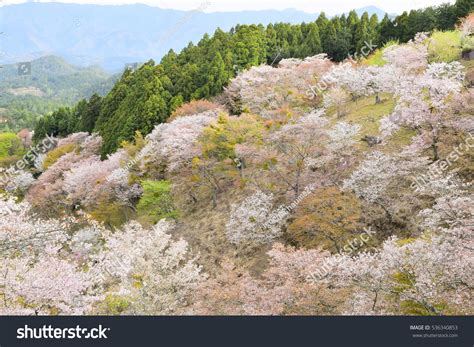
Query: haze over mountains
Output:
(111,36)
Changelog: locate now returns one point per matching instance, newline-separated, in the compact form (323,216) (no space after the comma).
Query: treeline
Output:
(145,97)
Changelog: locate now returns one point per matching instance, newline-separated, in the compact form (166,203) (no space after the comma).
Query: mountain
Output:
(374,10)
(43,85)
(112,36)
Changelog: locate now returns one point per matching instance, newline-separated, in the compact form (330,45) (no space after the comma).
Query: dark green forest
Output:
(146,97)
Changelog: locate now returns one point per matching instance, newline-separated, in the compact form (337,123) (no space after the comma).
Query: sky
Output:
(311,6)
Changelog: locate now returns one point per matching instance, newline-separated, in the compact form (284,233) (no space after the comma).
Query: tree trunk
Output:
(377,99)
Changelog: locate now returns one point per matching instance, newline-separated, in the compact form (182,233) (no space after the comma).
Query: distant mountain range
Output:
(52,76)
(111,36)
(43,85)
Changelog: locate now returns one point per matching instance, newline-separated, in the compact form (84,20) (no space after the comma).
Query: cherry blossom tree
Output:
(48,189)
(281,289)
(249,220)
(35,268)
(153,272)
(21,231)
(50,286)
(174,143)
(93,180)
(341,137)
(338,98)
(372,178)
(268,91)
(411,57)
(423,101)
(353,79)
(291,146)
(426,276)
(467,25)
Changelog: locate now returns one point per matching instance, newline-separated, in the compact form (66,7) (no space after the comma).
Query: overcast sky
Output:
(329,6)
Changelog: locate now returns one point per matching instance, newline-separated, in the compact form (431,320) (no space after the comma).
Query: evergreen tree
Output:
(463,8)
(311,44)
(387,30)
(362,35)
(146,97)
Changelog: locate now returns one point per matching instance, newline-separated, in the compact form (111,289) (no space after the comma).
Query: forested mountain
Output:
(50,83)
(145,97)
(99,34)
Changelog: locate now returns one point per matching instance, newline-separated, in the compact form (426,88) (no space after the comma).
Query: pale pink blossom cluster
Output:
(246,220)
(341,136)
(424,273)
(265,90)
(154,273)
(173,143)
(80,179)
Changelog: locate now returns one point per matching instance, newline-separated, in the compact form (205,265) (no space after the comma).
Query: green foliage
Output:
(156,202)
(144,98)
(137,102)
(57,153)
(10,145)
(445,46)
(218,140)
(376,58)
(53,83)
(115,305)
(111,214)
(411,307)
(132,148)
(59,123)
(463,8)
(11,149)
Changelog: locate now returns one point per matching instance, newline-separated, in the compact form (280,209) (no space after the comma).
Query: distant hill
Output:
(112,36)
(374,10)
(51,82)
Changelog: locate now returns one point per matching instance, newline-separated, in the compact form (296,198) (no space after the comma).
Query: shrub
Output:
(193,107)
(444,46)
(57,153)
(219,139)
(111,214)
(328,218)
(156,202)
(11,148)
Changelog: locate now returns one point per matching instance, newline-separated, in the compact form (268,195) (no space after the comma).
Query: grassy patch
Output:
(376,58)
(444,46)
(156,202)
(57,153)
(367,113)
(399,139)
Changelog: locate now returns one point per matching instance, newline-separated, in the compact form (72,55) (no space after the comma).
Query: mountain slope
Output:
(51,83)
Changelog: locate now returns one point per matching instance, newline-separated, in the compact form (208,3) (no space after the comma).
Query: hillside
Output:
(307,187)
(321,168)
(149,95)
(51,83)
